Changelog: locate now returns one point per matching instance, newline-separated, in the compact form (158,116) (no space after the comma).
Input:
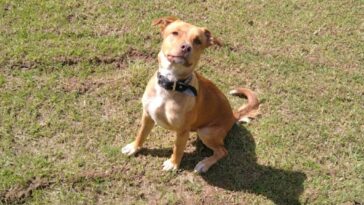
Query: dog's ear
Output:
(211,40)
(164,22)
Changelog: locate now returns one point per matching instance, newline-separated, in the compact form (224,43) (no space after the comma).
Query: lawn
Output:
(72,74)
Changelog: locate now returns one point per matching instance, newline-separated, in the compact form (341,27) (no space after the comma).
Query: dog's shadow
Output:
(239,171)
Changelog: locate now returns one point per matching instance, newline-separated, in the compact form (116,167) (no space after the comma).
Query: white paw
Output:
(233,92)
(201,167)
(129,149)
(168,165)
(246,120)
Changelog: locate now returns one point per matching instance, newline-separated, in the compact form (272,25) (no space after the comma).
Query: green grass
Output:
(72,75)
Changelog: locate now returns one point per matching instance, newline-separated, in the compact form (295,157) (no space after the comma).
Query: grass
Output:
(72,74)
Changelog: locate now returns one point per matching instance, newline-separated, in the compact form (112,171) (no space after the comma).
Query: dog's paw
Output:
(129,149)
(246,120)
(169,166)
(202,166)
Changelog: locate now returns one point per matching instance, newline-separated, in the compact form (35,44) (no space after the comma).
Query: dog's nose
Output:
(186,48)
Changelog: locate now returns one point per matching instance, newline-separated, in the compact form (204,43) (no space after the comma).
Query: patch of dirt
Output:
(108,30)
(71,18)
(8,7)
(67,60)
(23,64)
(96,174)
(119,61)
(81,87)
(19,193)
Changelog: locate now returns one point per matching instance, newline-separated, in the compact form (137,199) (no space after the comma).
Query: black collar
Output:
(179,85)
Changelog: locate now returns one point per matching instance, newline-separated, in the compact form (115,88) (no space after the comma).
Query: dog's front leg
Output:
(178,150)
(146,127)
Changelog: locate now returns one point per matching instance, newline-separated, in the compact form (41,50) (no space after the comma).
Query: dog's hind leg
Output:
(213,138)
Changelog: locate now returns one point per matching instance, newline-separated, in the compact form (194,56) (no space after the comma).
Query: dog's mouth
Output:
(178,60)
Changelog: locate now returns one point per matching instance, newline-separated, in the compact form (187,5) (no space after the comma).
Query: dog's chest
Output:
(167,109)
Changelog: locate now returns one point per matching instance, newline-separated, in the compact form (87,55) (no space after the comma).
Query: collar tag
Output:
(174,85)
(189,92)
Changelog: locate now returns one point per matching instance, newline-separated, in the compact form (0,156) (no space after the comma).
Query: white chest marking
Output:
(154,105)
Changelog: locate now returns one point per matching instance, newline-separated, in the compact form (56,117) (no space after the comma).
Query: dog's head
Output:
(183,43)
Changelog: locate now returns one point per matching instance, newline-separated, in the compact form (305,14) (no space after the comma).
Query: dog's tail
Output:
(249,111)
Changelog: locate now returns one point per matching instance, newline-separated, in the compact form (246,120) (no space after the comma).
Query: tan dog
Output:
(179,99)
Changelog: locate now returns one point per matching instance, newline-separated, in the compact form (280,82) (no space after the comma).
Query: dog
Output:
(179,99)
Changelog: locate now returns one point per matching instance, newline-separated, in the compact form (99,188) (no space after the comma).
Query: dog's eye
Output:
(175,33)
(197,41)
